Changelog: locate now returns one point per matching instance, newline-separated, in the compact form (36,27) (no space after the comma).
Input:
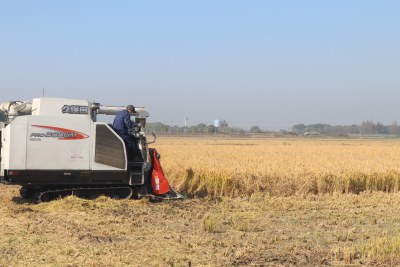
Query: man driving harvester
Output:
(122,122)
(158,185)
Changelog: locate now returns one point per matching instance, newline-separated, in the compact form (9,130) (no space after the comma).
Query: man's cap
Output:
(131,107)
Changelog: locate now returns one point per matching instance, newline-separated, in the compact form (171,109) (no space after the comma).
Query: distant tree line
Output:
(161,128)
(366,128)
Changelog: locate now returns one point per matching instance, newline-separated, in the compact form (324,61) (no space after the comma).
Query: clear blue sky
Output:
(266,63)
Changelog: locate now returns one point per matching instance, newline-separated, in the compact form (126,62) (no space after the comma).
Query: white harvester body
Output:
(54,141)
(54,147)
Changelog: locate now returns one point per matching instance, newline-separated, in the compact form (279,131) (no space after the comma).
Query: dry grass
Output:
(296,209)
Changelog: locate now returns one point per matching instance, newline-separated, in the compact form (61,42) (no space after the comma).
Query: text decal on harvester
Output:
(74,109)
(56,132)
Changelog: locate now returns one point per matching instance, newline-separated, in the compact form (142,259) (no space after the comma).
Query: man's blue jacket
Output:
(122,122)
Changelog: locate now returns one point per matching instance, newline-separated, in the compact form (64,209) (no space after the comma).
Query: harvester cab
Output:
(56,147)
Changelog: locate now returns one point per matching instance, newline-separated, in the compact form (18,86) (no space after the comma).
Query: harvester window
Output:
(109,148)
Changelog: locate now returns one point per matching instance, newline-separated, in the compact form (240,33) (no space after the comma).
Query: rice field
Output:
(280,167)
(251,202)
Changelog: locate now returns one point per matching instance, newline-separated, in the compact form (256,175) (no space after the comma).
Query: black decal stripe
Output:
(58,177)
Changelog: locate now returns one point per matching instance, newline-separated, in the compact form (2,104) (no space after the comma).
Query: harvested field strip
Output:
(315,230)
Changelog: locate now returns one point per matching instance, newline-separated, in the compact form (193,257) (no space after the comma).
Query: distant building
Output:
(313,133)
(220,123)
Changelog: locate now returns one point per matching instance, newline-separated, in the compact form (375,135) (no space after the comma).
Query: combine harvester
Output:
(55,147)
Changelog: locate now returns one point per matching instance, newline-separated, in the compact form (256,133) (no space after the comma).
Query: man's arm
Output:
(128,122)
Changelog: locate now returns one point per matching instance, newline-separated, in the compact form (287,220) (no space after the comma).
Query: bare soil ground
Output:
(256,231)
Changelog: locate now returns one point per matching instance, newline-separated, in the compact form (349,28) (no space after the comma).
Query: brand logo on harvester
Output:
(59,133)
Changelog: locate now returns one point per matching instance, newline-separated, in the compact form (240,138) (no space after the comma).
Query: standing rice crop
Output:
(282,167)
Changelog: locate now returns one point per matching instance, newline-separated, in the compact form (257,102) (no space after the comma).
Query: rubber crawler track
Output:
(88,193)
